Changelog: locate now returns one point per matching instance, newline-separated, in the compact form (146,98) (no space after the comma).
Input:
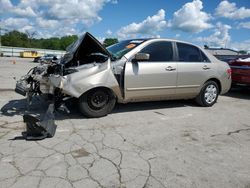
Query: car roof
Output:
(161,39)
(211,57)
(171,40)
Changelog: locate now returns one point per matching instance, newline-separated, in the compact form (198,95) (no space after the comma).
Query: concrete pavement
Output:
(154,144)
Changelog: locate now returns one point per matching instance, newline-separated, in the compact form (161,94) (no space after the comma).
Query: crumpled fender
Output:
(75,84)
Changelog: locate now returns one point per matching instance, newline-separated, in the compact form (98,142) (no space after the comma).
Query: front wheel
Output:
(208,94)
(97,102)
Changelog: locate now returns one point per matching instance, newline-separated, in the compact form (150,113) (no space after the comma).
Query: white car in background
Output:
(48,58)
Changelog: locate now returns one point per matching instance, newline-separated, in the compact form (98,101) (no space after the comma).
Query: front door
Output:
(152,79)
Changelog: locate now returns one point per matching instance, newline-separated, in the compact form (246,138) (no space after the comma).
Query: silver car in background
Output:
(129,71)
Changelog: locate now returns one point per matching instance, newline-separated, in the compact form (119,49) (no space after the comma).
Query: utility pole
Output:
(0,38)
(1,29)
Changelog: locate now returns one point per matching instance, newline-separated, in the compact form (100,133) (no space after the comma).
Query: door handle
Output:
(169,68)
(205,67)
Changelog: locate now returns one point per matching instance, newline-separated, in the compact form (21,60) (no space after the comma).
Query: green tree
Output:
(244,52)
(15,38)
(109,41)
(66,41)
(51,43)
(19,39)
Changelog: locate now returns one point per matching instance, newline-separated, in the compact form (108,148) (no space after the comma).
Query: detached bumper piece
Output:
(38,130)
(21,87)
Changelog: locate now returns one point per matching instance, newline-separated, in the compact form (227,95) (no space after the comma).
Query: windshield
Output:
(120,49)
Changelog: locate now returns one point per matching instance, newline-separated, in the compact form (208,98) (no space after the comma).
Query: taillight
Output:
(229,72)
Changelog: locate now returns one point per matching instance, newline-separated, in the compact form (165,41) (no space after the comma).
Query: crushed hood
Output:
(82,48)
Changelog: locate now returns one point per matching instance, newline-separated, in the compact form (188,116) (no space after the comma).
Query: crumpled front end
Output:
(36,81)
(85,66)
(73,83)
(85,78)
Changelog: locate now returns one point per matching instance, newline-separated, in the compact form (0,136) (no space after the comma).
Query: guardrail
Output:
(16,51)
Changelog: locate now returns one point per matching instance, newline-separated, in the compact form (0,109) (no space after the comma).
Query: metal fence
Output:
(16,51)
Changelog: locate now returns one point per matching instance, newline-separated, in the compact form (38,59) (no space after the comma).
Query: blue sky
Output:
(218,23)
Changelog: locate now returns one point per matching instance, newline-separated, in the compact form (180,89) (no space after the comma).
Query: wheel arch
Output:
(103,88)
(217,81)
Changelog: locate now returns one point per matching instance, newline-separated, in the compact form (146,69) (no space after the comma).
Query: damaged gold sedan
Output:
(129,71)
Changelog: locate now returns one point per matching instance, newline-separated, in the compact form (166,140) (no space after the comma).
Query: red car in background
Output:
(240,71)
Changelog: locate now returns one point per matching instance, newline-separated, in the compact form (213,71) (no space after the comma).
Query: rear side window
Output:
(189,53)
(159,51)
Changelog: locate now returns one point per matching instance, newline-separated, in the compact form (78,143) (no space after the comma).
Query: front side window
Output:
(189,53)
(159,51)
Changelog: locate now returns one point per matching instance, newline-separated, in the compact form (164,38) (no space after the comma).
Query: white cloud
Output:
(230,10)
(191,18)
(112,1)
(27,28)
(245,25)
(47,24)
(5,5)
(148,27)
(101,39)
(14,23)
(20,24)
(109,32)
(220,37)
(59,32)
(177,35)
(19,10)
(47,16)
(86,10)
(24,12)
(243,45)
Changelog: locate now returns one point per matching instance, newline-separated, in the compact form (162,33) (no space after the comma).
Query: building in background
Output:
(225,54)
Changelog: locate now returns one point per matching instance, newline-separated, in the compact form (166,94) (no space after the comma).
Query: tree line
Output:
(19,39)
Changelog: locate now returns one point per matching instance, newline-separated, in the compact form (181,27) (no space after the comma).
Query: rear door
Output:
(154,78)
(194,68)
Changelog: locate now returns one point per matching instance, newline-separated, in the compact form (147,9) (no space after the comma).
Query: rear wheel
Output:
(97,102)
(208,94)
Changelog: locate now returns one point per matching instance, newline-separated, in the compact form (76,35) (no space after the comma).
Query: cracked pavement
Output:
(153,144)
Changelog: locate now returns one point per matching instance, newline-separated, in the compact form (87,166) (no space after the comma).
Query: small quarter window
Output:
(204,58)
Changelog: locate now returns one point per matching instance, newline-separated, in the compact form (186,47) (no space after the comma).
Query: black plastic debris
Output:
(21,87)
(37,129)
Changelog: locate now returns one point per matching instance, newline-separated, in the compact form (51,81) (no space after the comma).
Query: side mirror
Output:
(141,57)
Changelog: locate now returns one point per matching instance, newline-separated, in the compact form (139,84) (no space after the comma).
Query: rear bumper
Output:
(241,76)
(241,79)
(226,86)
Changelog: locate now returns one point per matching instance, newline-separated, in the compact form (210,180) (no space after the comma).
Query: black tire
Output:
(208,94)
(97,102)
